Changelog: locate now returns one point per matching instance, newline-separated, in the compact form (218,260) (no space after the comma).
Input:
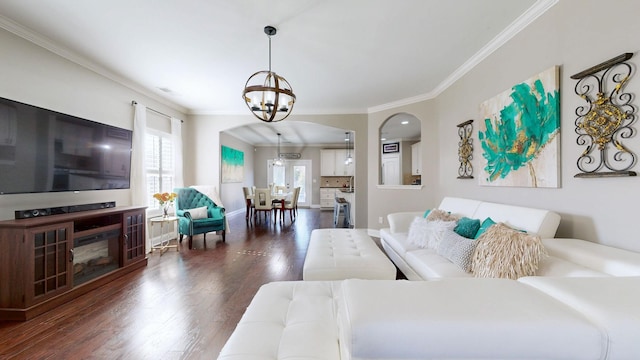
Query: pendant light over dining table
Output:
(278,161)
(268,95)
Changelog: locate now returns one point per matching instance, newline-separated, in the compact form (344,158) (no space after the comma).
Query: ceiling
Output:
(340,56)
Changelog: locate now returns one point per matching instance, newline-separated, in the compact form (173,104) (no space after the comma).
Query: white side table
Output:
(165,239)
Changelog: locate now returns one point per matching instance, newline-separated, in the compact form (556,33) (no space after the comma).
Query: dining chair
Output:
(278,190)
(292,205)
(262,203)
(247,199)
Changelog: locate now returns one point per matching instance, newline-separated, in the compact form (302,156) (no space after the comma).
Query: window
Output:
(159,163)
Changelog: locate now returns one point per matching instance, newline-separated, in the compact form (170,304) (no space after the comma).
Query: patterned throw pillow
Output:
(503,252)
(467,227)
(457,249)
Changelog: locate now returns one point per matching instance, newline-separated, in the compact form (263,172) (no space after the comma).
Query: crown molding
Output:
(535,11)
(48,44)
(519,24)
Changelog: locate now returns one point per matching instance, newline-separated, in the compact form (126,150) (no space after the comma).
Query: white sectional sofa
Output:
(583,303)
(566,257)
(458,318)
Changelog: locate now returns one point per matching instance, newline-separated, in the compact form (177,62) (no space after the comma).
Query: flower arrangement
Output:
(165,197)
(165,200)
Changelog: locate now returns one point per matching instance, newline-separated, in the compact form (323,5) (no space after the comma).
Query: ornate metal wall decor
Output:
(606,120)
(465,150)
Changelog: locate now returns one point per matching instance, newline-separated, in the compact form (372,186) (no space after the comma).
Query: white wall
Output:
(383,201)
(575,34)
(33,75)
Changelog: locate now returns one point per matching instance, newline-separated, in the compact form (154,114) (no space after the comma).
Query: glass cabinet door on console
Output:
(134,236)
(52,261)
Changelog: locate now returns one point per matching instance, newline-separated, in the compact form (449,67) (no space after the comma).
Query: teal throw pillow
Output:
(486,224)
(426,213)
(467,227)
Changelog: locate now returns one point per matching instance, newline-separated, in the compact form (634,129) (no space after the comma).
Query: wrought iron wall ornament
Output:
(606,120)
(465,150)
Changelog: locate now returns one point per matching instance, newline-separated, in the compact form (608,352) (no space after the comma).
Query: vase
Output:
(165,211)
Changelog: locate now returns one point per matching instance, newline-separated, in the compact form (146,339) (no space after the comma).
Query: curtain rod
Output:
(133,102)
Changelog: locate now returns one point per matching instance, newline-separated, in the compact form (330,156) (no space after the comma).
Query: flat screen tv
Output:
(45,151)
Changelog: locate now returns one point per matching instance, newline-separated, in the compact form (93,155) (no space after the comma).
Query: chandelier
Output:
(278,161)
(267,95)
(349,159)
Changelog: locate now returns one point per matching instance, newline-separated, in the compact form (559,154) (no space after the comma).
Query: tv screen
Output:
(43,151)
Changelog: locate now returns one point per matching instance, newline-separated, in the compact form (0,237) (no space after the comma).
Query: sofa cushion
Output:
(609,302)
(207,222)
(457,249)
(430,266)
(461,319)
(506,253)
(467,227)
(399,242)
(554,266)
(459,206)
(539,221)
(606,259)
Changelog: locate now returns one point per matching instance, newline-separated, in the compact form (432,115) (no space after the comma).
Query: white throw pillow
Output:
(198,213)
(436,230)
(416,231)
(428,234)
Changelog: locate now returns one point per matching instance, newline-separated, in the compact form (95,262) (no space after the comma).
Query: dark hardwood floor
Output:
(183,305)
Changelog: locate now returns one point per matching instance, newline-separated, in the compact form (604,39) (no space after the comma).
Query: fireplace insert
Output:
(95,255)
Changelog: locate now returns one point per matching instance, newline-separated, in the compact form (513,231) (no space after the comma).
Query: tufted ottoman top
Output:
(338,254)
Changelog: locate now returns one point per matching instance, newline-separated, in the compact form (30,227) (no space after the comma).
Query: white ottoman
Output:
(338,254)
(288,320)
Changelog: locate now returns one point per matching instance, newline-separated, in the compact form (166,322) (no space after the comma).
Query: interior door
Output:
(294,173)
(390,170)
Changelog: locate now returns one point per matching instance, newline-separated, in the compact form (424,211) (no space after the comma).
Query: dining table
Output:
(280,197)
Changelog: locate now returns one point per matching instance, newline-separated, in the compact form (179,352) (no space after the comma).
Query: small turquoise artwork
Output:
(520,134)
(232,165)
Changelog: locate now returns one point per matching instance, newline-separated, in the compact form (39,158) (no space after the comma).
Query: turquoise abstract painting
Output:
(232,165)
(520,134)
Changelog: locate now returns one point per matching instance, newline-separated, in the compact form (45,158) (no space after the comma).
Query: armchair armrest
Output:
(183,213)
(216,212)
(399,222)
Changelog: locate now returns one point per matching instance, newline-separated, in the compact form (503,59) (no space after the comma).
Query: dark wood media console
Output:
(47,261)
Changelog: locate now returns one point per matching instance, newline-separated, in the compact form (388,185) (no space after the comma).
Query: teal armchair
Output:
(194,221)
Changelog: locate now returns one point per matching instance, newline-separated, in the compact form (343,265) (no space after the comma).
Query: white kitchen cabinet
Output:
(416,159)
(327,197)
(332,163)
(327,162)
